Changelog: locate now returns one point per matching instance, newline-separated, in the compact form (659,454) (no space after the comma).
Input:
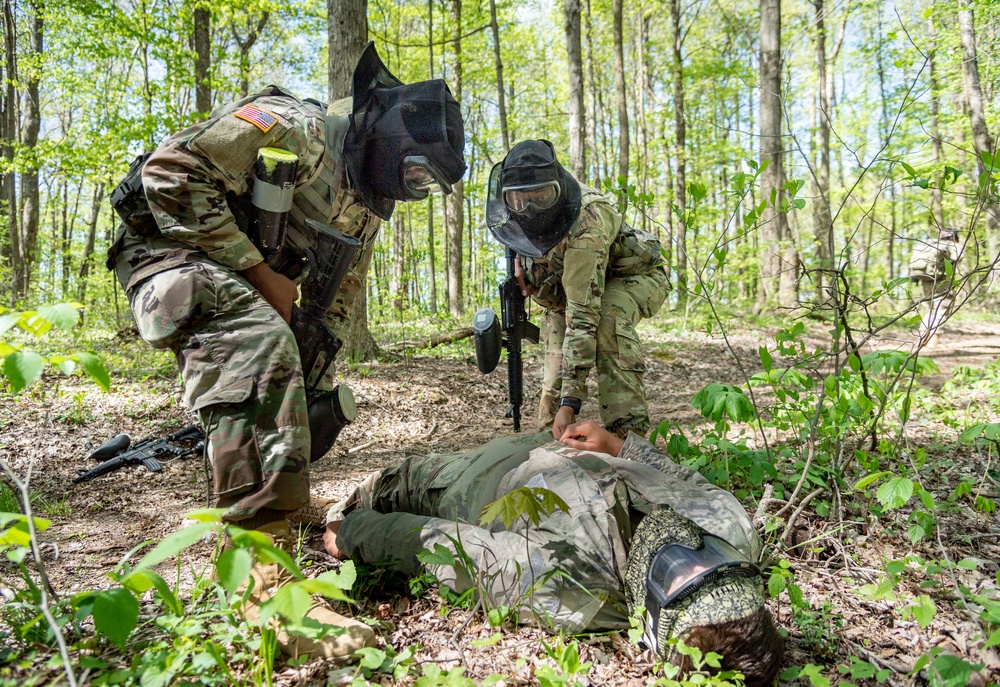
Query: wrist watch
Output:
(573,403)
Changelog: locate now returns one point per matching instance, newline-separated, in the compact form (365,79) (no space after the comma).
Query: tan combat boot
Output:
(267,577)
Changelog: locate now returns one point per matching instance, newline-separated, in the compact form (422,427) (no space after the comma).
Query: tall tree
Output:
(822,217)
(981,138)
(680,160)
(502,106)
(254,27)
(577,114)
(620,90)
(347,33)
(937,208)
(8,136)
(432,259)
(201,38)
(456,206)
(773,223)
(30,199)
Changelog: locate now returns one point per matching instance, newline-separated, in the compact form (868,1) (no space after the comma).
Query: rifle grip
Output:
(152,464)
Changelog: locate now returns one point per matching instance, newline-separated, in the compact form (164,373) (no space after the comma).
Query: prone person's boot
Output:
(268,577)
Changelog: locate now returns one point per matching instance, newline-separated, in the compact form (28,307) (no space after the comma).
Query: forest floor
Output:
(432,403)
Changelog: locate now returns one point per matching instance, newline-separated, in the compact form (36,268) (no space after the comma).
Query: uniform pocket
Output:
(170,304)
(629,348)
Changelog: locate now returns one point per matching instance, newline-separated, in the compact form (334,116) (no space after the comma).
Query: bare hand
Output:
(277,289)
(590,436)
(526,288)
(564,418)
(330,540)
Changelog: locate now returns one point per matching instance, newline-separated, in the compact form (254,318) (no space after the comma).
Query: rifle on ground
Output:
(516,329)
(119,452)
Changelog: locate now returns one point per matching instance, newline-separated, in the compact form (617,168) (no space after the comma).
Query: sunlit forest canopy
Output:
(877,128)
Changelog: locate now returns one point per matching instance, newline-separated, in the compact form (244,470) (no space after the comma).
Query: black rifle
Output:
(516,329)
(116,453)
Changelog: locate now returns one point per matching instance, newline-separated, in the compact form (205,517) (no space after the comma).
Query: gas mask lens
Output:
(677,571)
(521,199)
(420,178)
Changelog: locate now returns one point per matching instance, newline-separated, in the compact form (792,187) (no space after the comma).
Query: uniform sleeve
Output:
(584,274)
(187,178)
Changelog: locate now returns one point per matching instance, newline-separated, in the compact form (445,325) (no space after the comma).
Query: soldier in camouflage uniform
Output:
(595,275)
(588,568)
(198,286)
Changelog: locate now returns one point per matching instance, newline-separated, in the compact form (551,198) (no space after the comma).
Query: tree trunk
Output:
(773,222)
(577,114)
(937,208)
(499,67)
(981,138)
(822,217)
(620,93)
(455,201)
(680,161)
(88,251)
(29,139)
(347,33)
(7,137)
(202,39)
(594,175)
(245,45)
(642,87)
(430,199)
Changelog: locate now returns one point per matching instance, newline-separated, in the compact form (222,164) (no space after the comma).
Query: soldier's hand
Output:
(564,418)
(526,288)
(330,540)
(277,289)
(590,436)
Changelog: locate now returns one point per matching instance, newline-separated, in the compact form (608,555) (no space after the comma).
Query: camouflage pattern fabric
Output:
(242,375)
(596,284)
(239,361)
(569,572)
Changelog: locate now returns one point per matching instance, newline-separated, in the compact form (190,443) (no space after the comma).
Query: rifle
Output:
(119,452)
(516,329)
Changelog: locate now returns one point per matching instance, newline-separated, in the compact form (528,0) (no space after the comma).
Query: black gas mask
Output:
(405,141)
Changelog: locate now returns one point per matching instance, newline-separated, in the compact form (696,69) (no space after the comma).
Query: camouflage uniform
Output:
(426,501)
(596,284)
(238,358)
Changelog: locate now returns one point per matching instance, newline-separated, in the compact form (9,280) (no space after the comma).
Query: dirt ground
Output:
(425,403)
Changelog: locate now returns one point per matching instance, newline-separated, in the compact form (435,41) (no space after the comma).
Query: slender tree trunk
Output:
(29,139)
(88,250)
(347,33)
(981,138)
(594,174)
(937,207)
(884,126)
(773,222)
(202,40)
(430,200)
(822,218)
(399,260)
(456,206)
(620,91)
(577,114)
(642,87)
(8,136)
(494,27)
(680,152)
(245,45)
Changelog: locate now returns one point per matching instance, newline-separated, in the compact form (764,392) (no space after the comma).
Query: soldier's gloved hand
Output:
(590,436)
(277,289)
(526,288)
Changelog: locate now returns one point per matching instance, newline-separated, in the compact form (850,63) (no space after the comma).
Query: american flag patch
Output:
(256,116)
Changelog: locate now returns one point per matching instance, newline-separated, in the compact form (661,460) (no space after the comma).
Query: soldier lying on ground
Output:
(640,532)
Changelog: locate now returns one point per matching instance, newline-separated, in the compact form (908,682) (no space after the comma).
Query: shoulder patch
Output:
(256,116)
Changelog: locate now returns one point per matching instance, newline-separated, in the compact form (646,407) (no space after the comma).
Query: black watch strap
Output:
(573,403)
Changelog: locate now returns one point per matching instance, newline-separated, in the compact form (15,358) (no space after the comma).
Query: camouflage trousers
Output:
(619,361)
(242,375)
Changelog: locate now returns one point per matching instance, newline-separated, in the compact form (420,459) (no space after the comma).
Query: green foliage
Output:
(530,502)
(22,367)
(568,666)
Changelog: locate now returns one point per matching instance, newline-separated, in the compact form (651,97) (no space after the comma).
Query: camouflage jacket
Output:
(195,175)
(571,278)
(568,572)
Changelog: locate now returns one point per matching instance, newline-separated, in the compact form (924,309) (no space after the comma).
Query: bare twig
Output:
(362,447)
(798,511)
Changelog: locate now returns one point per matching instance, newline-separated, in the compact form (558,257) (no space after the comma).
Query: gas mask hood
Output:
(393,123)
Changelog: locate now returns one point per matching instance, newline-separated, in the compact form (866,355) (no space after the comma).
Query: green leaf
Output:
(62,315)
(993,640)
(174,544)
(796,596)
(141,580)
(290,601)
(973,432)
(93,366)
(950,671)
(8,320)
(488,641)
(441,555)
(765,357)
(870,479)
(22,368)
(116,613)
(909,170)
(923,611)
(233,568)
(895,493)
(776,584)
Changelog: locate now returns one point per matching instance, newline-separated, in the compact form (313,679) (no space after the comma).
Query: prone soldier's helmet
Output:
(685,578)
(531,201)
(405,140)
